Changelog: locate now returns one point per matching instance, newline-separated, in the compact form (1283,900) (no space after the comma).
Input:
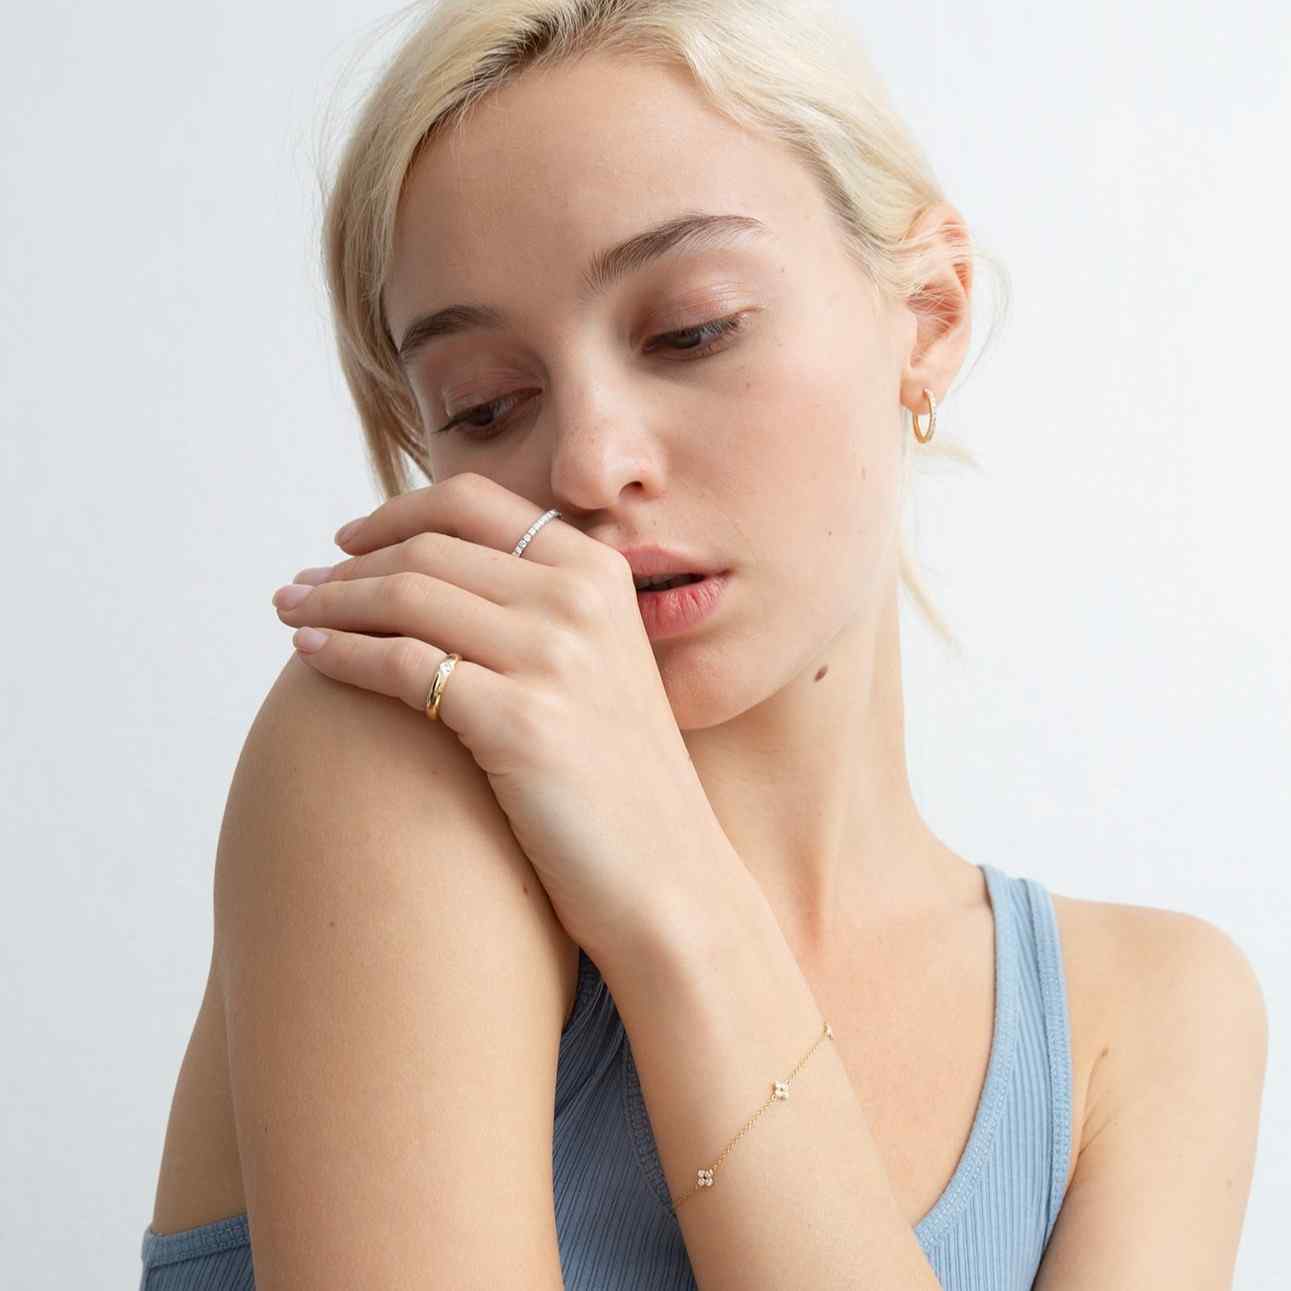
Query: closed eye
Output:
(718,331)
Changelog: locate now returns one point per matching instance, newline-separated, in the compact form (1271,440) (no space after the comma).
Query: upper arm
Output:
(393,978)
(1162,1180)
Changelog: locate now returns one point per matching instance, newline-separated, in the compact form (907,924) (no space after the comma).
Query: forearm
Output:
(716,1010)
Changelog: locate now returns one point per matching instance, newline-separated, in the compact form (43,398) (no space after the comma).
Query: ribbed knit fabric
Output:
(986,1232)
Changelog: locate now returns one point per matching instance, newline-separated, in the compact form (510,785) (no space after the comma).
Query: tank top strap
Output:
(961,1193)
(1057,1026)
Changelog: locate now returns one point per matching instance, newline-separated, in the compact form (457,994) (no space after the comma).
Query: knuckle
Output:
(404,660)
(404,591)
(425,548)
(468,483)
(615,564)
(531,722)
(578,597)
(548,652)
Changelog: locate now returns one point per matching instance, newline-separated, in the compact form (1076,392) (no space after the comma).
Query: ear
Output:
(941,309)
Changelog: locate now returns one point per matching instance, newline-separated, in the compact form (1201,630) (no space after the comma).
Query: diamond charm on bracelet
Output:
(780,1093)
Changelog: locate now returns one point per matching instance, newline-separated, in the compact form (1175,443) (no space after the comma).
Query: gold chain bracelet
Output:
(779,1094)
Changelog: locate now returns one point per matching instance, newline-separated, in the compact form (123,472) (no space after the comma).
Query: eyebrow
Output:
(683,233)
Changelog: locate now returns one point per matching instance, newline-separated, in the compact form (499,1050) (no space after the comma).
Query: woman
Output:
(660,276)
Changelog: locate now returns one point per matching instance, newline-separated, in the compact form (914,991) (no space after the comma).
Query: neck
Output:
(812,790)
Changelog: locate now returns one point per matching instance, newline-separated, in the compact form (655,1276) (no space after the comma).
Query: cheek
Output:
(819,462)
(829,453)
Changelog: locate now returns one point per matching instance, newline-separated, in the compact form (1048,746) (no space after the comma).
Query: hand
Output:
(557,695)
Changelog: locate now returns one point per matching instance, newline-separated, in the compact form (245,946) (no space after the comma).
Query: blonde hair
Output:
(794,71)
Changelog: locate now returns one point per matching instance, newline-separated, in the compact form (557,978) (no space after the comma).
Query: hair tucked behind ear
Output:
(795,71)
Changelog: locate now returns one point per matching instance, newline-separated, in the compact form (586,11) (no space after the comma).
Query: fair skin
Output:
(778,456)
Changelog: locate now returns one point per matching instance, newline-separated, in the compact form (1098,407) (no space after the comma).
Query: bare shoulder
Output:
(1145,958)
(394,768)
(1153,991)
(1170,1119)
(392,977)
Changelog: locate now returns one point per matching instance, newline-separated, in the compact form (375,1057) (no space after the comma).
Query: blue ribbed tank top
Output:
(986,1232)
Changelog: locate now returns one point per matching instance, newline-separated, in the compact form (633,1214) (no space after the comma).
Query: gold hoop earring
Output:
(932,418)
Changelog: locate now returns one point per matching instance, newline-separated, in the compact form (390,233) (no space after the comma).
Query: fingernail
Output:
(315,575)
(288,597)
(307,640)
(347,531)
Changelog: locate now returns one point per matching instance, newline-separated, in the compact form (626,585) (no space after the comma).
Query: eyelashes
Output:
(714,336)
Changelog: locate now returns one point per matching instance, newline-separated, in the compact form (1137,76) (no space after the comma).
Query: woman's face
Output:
(772,450)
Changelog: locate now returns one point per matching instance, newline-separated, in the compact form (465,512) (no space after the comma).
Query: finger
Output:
(495,575)
(410,604)
(475,508)
(403,668)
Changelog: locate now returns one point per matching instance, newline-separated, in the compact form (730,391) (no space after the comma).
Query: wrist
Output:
(709,911)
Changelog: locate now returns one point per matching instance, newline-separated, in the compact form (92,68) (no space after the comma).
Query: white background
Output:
(177,442)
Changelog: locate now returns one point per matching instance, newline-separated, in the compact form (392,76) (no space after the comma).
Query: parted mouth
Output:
(666,580)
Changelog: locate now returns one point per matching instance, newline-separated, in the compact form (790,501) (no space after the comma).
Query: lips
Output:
(659,562)
(677,610)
